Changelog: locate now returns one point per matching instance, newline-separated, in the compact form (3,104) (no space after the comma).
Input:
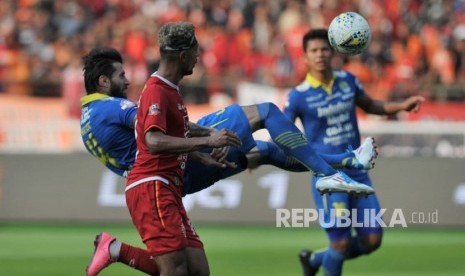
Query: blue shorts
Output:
(198,176)
(327,205)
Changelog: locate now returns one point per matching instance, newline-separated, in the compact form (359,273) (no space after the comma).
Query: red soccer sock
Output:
(137,258)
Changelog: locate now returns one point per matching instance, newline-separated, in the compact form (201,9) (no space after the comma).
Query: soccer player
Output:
(154,184)
(107,131)
(325,102)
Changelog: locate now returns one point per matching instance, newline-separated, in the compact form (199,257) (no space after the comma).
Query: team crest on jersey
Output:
(126,104)
(181,107)
(344,86)
(154,109)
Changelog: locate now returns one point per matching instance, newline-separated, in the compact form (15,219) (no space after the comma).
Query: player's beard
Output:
(188,70)
(117,91)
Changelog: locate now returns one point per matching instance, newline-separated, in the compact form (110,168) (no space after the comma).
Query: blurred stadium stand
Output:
(418,47)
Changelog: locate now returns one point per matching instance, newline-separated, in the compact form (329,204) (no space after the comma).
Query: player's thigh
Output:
(368,205)
(333,210)
(369,215)
(197,261)
(158,215)
(330,205)
(234,119)
(173,263)
(198,176)
(253,116)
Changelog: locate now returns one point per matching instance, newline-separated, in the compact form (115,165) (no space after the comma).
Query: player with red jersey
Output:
(154,185)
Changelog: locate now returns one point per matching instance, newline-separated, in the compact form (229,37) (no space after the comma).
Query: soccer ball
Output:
(349,33)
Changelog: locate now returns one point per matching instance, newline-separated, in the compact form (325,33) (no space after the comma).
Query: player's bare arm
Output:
(413,103)
(158,142)
(371,106)
(196,130)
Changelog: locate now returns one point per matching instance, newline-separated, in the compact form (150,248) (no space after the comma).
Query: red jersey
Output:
(160,107)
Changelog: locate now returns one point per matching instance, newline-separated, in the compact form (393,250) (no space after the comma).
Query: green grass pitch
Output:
(43,249)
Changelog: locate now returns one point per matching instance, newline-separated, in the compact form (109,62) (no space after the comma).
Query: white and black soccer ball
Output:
(349,33)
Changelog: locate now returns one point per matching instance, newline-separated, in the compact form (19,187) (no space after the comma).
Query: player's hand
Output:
(223,138)
(208,160)
(413,104)
(220,153)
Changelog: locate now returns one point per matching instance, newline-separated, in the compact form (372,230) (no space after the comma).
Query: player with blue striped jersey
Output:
(109,144)
(326,104)
(327,113)
(113,145)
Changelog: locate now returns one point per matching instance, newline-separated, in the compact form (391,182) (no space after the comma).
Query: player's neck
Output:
(324,77)
(169,72)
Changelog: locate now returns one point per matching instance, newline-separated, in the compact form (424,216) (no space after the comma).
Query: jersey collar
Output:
(93,97)
(316,83)
(165,80)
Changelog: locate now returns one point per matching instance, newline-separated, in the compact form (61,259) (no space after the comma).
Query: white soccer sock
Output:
(115,248)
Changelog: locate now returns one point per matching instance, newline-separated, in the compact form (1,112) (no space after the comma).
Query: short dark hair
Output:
(99,61)
(175,37)
(314,34)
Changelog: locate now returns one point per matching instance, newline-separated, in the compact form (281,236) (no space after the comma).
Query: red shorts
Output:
(160,218)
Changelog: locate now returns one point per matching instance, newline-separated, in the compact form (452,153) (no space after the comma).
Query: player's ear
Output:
(103,81)
(182,55)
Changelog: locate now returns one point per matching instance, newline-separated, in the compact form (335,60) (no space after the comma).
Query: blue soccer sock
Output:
(342,160)
(332,262)
(271,154)
(289,138)
(317,258)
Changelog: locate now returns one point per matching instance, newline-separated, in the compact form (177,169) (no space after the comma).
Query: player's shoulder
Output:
(126,104)
(151,80)
(342,74)
(349,78)
(123,103)
(301,87)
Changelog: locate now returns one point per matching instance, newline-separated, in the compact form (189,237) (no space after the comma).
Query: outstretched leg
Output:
(287,136)
(268,153)
(294,143)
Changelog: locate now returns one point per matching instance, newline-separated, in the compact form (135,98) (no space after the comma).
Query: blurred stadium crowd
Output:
(418,47)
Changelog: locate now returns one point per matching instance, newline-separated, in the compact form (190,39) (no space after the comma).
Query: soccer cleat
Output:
(366,154)
(304,257)
(101,257)
(342,183)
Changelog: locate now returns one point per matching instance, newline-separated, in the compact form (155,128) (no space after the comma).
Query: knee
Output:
(341,246)
(372,243)
(266,108)
(272,107)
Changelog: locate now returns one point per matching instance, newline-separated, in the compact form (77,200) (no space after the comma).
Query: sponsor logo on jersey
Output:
(126,104)
(154,109)
(344,86)
(182,107)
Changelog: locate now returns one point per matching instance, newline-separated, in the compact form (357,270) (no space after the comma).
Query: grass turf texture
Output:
(39,249)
